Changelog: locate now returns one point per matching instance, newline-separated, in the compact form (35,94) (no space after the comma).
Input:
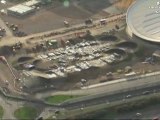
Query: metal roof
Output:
(31,3)
(21,9)
(143,19)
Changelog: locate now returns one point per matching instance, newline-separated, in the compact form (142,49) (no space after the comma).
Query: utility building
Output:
(20,10)
(24,8)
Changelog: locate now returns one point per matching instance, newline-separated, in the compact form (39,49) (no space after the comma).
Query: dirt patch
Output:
(44,65)
(52,17)
(67,12)
(108,38)
(24,59)
(94,6)
(6,51)
(128,45)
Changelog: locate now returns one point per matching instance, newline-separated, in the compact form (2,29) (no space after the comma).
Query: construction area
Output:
(70,49)
(33,17)
(64,58)
(95,51)
(59,56)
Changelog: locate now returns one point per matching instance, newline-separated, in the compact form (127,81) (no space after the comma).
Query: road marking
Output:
(122,80)
(106,83)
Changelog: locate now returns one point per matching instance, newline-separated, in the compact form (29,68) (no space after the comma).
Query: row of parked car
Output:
(15,30)
(2,32)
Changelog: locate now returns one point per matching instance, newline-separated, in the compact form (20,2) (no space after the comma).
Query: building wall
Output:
(10,12)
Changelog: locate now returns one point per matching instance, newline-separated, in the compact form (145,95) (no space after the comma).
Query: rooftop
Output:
(21,9)
(31,3)
(143,19)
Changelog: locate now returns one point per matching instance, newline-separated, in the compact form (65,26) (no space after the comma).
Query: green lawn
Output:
(26,113)
(59,98)
(1,111)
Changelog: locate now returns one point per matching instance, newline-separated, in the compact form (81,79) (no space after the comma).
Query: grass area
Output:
(59,98)
(1,111)
(25,112)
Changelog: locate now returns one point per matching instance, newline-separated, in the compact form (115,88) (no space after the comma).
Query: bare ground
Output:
(49,18)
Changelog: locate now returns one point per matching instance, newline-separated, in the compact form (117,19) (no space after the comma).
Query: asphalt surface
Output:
(138,82)
(147,113)
(112,98)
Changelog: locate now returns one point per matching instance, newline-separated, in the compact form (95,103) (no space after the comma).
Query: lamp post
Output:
(84,83)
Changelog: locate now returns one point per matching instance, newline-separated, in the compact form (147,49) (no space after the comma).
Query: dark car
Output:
(146,92)
(88,21)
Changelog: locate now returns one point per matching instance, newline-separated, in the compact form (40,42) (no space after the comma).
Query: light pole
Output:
(84,83)
(71,91)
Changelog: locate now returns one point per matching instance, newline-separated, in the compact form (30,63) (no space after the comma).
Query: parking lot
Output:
(72,59)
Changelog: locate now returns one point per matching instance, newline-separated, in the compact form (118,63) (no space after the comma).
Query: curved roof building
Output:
(143,19)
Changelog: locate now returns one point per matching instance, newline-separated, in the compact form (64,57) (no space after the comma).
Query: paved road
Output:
(90,102)
(116,91)
(125,79)
(122,96)
(108,99)
(147,113)
(111,87)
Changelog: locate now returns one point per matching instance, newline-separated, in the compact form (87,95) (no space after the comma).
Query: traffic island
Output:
(26,112)
(1,112)
(58,99)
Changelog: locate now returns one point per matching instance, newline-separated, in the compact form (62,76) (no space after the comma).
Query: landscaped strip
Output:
(26,112)
(1,111)
(57,99)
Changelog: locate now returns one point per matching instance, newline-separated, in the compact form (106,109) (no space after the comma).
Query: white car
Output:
(128,96)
